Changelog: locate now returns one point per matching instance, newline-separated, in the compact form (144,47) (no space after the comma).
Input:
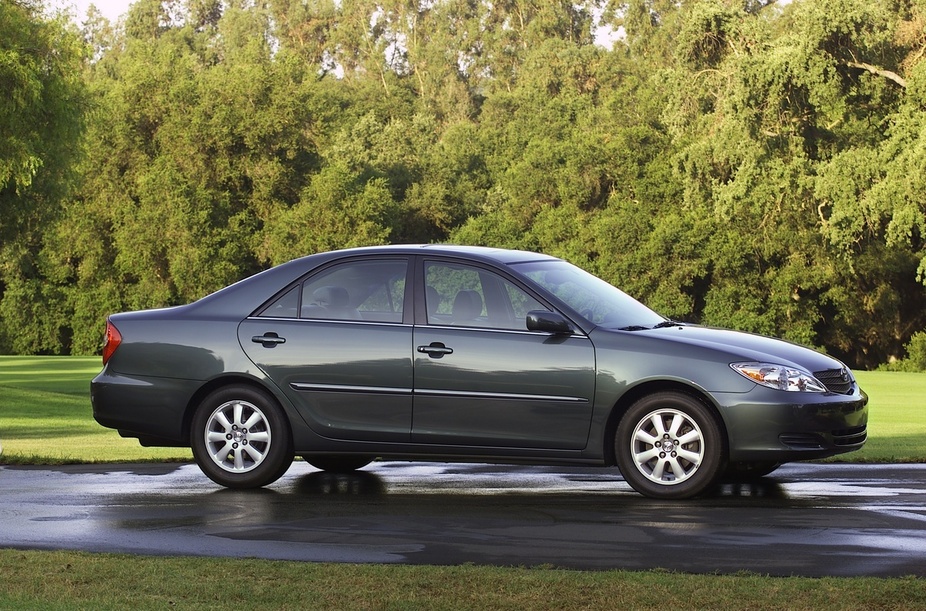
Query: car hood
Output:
(744,347)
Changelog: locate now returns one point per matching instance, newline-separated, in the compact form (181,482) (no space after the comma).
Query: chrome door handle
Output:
(435,350)
(268,340)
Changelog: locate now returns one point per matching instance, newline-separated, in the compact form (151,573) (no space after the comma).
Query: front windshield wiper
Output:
(662,325)
(669,323)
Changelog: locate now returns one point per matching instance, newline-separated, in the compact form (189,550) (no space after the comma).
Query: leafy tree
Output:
(337,210)
(916,356)
(202,136)
(40,111)
(41,118)
(771,102)
(745,164)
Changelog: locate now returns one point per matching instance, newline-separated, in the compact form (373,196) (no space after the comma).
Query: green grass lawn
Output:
(68,580)
(896,417)
(46,418)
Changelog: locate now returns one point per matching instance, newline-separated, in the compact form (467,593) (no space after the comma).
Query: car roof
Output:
(498,255)
(247,294)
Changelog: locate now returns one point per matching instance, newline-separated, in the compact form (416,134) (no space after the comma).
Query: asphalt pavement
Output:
(806,519)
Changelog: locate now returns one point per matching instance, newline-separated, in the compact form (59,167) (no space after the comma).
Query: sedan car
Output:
(450,353)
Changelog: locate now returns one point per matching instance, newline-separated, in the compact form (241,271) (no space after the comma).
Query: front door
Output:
(482,379)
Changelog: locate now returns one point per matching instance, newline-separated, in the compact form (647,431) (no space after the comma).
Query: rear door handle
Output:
(435,350)
(268,340)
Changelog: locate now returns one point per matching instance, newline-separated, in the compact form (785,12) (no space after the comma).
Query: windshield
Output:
(590,296)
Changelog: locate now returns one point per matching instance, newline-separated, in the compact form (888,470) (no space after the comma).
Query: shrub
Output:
(916,355)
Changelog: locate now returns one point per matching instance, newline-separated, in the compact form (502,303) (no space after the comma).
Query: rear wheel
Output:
(338,464)
(669,446)
(241,438)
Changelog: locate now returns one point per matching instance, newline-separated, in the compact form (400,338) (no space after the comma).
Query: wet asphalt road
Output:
(809,520)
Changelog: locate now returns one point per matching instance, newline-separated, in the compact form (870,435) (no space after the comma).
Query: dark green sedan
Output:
(449,353)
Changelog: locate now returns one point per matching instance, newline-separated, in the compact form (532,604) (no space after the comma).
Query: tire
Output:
(338,464)
(669,446)
(241,438)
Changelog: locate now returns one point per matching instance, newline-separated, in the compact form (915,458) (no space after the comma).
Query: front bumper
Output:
(763,426)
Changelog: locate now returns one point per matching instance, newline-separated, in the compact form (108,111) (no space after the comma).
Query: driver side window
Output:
(466,296)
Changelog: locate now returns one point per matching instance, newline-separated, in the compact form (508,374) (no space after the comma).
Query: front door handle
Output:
(435,350)
(268,340)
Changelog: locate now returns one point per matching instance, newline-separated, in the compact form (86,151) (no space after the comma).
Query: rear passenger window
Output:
(357,290)
(286,306)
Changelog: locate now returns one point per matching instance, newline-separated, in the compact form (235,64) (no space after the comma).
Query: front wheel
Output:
(669,446)
(240,438)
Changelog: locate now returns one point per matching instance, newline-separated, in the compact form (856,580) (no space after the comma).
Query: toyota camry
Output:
(450,353)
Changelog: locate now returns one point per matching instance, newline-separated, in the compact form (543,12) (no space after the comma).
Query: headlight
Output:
(779,377)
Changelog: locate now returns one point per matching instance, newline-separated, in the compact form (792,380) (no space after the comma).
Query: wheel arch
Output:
(224,381)
(650,387)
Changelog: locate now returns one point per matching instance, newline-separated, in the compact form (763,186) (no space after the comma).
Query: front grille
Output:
(838,381)
(850,437)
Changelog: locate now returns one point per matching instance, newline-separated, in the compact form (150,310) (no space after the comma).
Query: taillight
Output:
(113,339)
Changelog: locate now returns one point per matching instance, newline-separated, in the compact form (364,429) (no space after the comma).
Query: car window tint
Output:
(589,295)
(521,302)
(286,306)
(461,295)
(357,290)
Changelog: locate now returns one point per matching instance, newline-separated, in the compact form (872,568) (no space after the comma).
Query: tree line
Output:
(735,163)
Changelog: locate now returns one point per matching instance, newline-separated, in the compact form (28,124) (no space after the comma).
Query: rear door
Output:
(483,379)
(338,345)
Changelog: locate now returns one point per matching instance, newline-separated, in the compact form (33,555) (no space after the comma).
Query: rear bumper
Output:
(150,409)
(763,428)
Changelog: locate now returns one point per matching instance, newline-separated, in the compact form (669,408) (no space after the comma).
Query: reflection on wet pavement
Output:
(806,519)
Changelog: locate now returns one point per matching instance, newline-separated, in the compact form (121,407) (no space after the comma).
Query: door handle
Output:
(435,350)
(268,340)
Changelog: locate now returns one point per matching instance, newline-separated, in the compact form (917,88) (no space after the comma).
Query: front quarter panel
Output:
(762,424)
(629,359)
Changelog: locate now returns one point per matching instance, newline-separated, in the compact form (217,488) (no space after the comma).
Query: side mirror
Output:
(550,322)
